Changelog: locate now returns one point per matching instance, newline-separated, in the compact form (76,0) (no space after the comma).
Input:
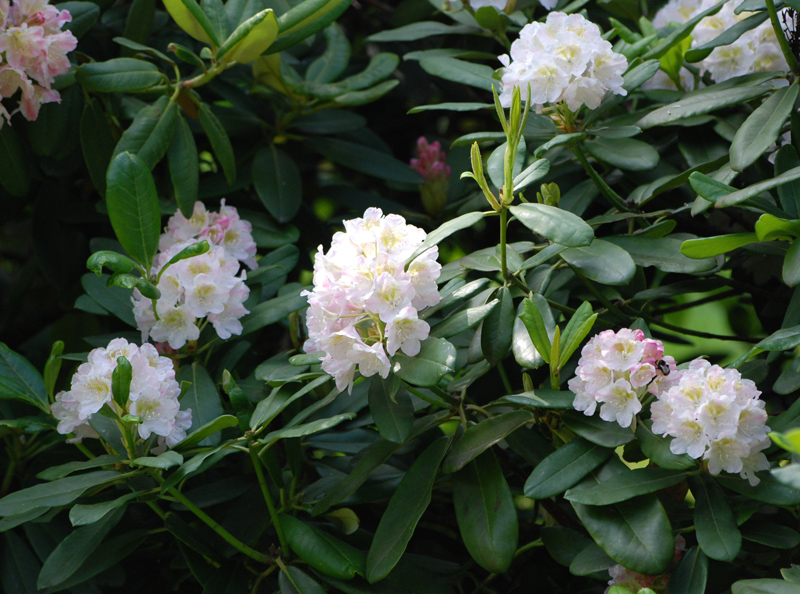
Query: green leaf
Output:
(498,328)
(196,465)
(293,581)
(602,262)
(681,32)
(485,511)
(543,398)
(559,226)
(190,17)
(133,207)
(771,535)
(304,20)
(590,560)
(564,544)
(699,104)
(781,340)
(708,247)
(727,36)
(449,106)
(691,575)
(13,167)
(84,15)
(789,441)
(579,325)
(664,253)
(625,486)
(482,436)
(460,71)
(121,381)
(762,127)
(763,586)
(635,533)
(420,30)
(220,142)
(203,398)
(532,173)
(250,39)
(717,533)
(436,358)
(495,164)
(534,323)
(20,380)
(215,11)
(67,557)
(84,514)
(114,299)
(329,121)
(277,182)
(57,472)
(272,311)
(463,320)
(380,66)
(333,61)
(365,160)
(97,142)
(769,228)
(596,430)
(779,487)
(119,75)
(110,554)
(656,448)
(130,282)
(404,511)
(184,168)
(307,428)
(391,408)
(19,566)
(322,551)
(788,194)
(139,22)
(446,230)
(163,461)
(625,153)
(113,260)
(564,468)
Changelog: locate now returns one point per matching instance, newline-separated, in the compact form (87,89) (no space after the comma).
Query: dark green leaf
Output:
(791,264)
(84,15)
(18,566)
(446,230)
(559,226)
(579,325)
(333,61)
(691,575)
(420,30)
(322,551)
(771,535)
(184,169)
(13,168)
(203,398)
(436,358)
(307,428)
(717,533)
(727,36)
(20,380)
(121,381)
(700,104)
(602,262)
(625,153)
(625,486)
(590,560)
(779,487)
(532,173)
(681,32)
(84,514)
(763,586)
(460,71)
(404,511)
(487,518)
(594,429)
(365,160)
(220,142)
(664,253)
(391,408)
(564,468)
(277,182)
(498,328)
(463,320)
(163,461)
(272,311)
(482,436)
(657,449)
(139,22)
(97,141)
(113,299)
(293,581)
(119,75)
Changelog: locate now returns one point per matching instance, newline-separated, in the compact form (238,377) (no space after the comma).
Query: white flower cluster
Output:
(203,286)
(756,50)
(153,394)
(615,370)
(712,412)
(364,306)
(563,59)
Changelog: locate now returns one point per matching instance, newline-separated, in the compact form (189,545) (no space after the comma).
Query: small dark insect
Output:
(662,369)
(790,30)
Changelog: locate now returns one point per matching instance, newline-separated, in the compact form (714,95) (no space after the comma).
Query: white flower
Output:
(405,332)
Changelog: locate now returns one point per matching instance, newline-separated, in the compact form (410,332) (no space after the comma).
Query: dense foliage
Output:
(416,297)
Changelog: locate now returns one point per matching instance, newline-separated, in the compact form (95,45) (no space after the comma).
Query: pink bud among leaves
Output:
(432,166)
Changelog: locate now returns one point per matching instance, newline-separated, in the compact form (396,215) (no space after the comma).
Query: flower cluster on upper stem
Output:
(365,303)
(203,286)
(153,394)
(33,51)
(563,59)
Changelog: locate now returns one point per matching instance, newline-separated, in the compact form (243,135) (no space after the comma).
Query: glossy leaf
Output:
(625,486)
(133,207)
(436,358)
(307,428)
(391,408)
(594,429)
(97,142)
(708,247)
(532,173)
(223,149)
(293,581)
(579,325)
(365,160)
(699,104)
(119,75)
(602,262)
(537,329)
(763,586)
(625,153)
(404,511)
(663,253)
(322,551)
(277,182)
(717,533)
(191,18)
(485,511)
(184,169)
(498,328)
(444,231)
(557,225)
(272,311)
(250,39)
(21,380)
(419,30)
(691,575)
(564,468)
(463,320)
(203,398)
(84,514)
(461,71)
(333,61)
(656,447)
(482,436)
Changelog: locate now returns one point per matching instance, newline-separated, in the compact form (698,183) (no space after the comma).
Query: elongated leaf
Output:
(97,142)
(463,320)
(277,182)
(307,428)
(564,468)
(184,168)
(700,104)
(656,448)
(84,15)
(272,311)
(691,575)
(202,397)
(116,300)
(293,581)
(590,560)
(763,586)
(708,247)
(664,253)
(20,380)
(133,207)
(482,436)
(436,358)
(771,535)
(19,566)
(220,142)
(602,262)
(625,153)
(420,30)
(191,18)
(625,486)
(333,60)
(304,20)
(559,226)
(596,430)
(365,160)
(391,408)
(727,37)
(322,551)
(119,75)
(405,509)
(446,230)
(106,556)
(788,194)
(717,533)
(791,265)
(776,488)
(467,73)
(535,324)
(635,533)
(576,330)
(498,328)
(250,39)
(485,511)
(57,472)
(139,22)
(13,168)
(762,127)
(532,173)
(681,33)
(82,514)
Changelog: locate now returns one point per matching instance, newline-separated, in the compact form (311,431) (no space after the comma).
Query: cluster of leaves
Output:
(467,468)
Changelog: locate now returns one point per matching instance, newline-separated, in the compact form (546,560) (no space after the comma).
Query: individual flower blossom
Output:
(715,414)
(563,59)
(364,305)
(616,370)
(33,51)
(203,286)
(224,228)
(623,577)
(153,396)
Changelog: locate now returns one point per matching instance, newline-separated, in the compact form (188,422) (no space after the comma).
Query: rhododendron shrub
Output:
(415,297)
